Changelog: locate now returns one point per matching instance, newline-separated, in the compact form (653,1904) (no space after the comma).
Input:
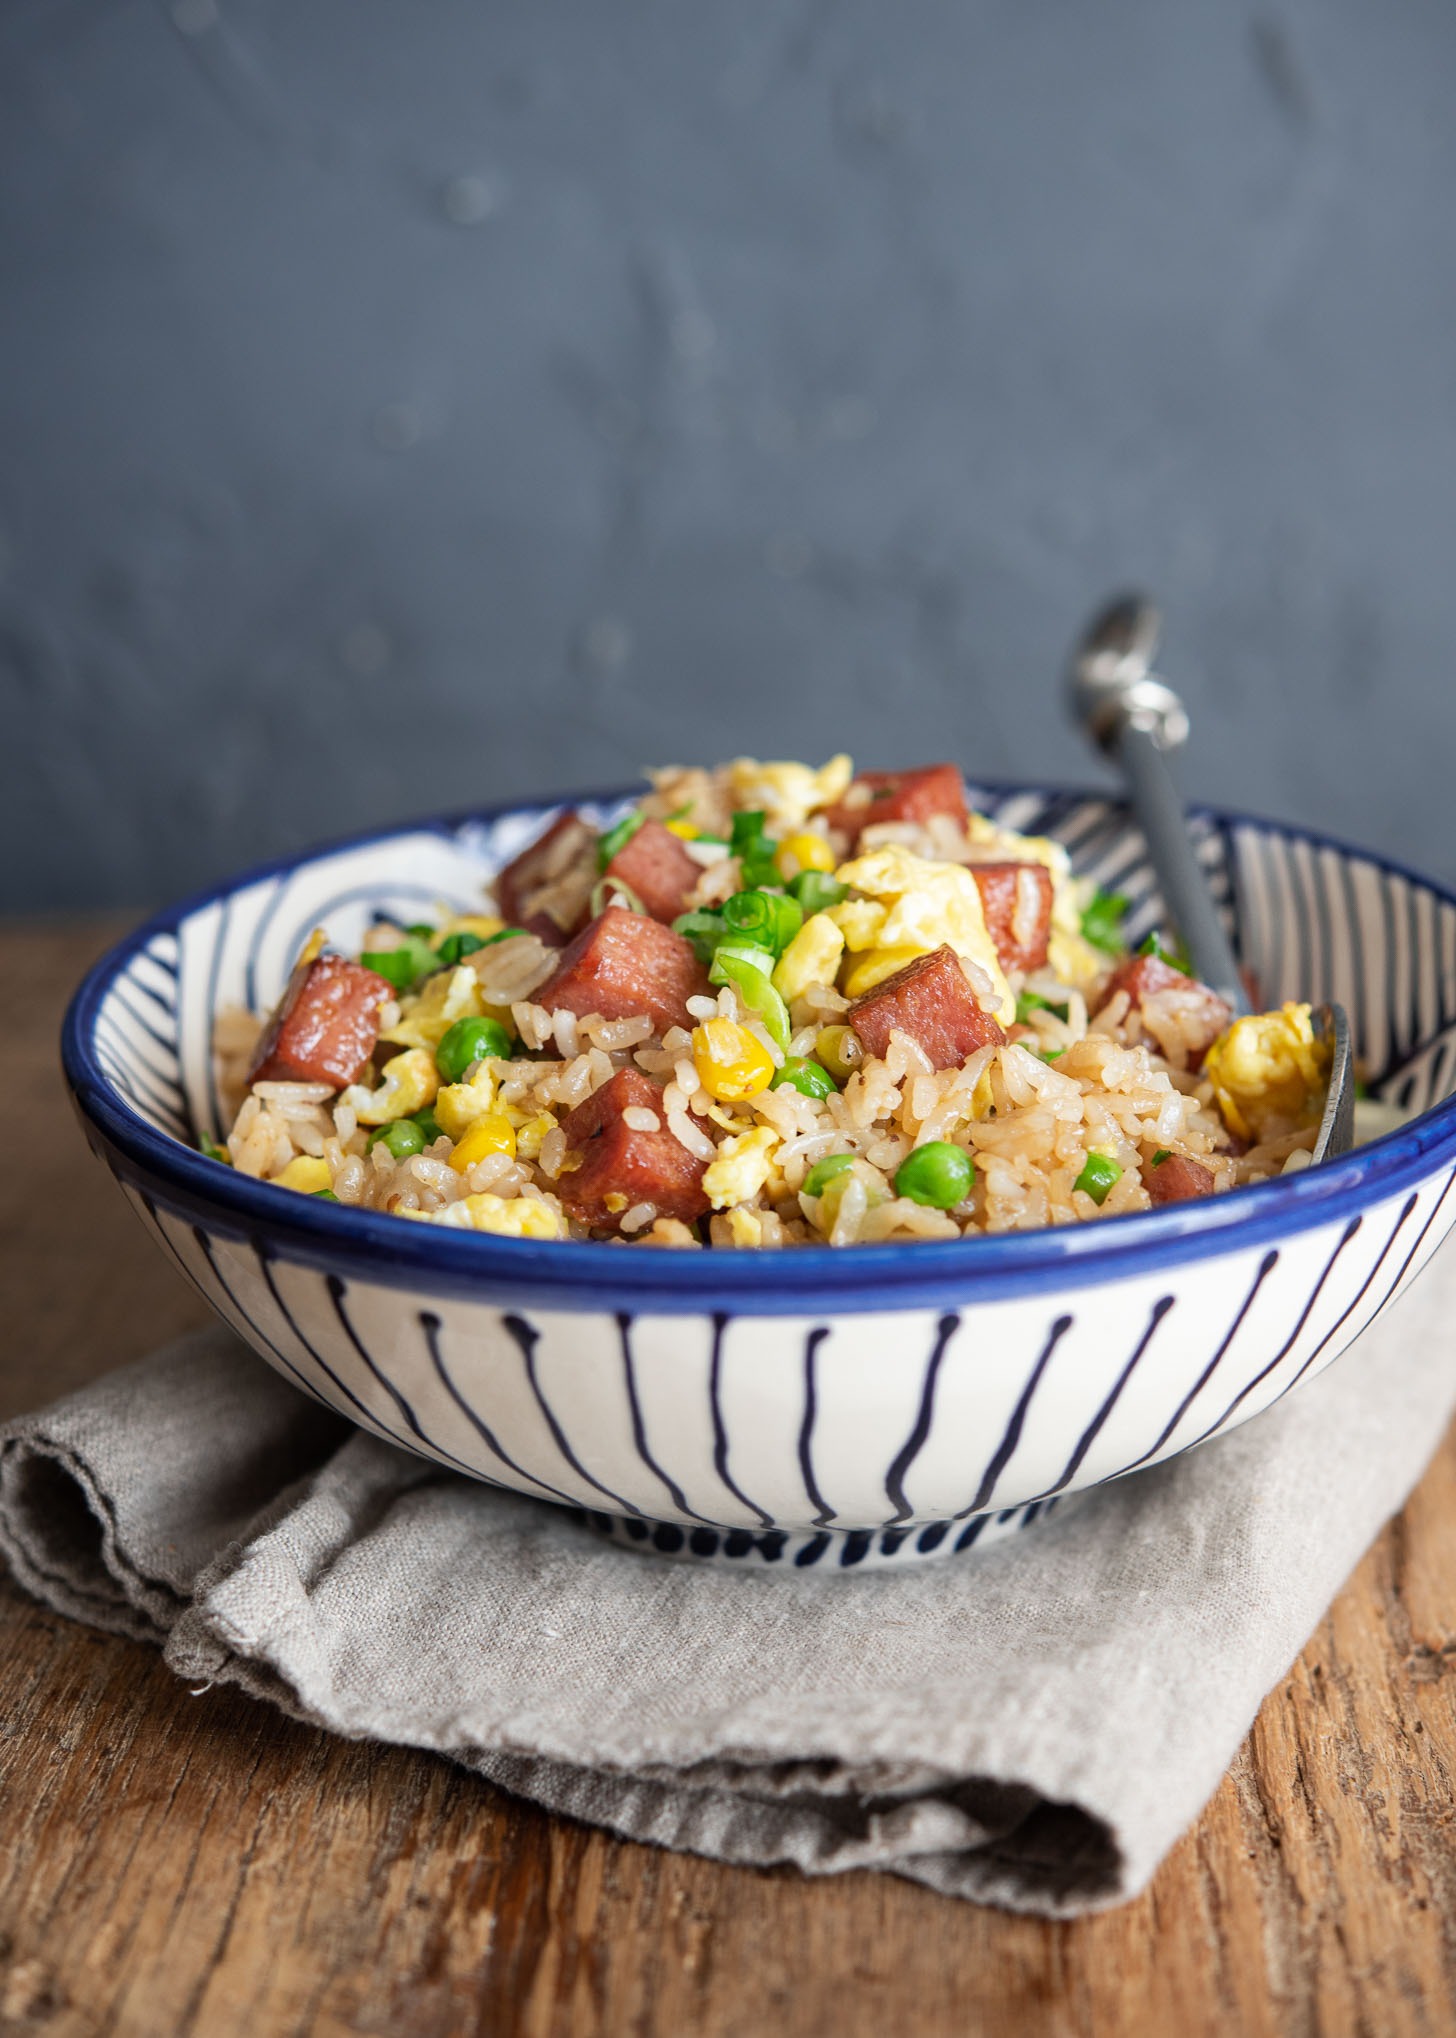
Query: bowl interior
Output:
(1312,918)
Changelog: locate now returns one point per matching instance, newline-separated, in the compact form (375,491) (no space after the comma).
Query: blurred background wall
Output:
(404,405)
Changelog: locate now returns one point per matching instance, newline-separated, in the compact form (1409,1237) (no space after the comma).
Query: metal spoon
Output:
(1136,717)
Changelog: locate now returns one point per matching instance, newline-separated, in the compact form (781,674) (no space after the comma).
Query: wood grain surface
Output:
(177,1862)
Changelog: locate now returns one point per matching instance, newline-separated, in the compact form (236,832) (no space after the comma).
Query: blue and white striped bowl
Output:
(810,1407)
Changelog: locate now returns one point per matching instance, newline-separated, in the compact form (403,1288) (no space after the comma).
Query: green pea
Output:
(768,919)
(401,1136)
(428,1124)
(471,1040)
(617,837)
(402,966)
(815,890)
(1102,921)
(454,946)
(938,1174)
(807,1077)
(1099,1176)
(823,1172)
(324,1195)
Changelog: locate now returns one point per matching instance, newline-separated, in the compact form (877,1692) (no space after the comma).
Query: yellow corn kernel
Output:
(305,1173)
(730,1062)
(812,957)
(840,1049)
(311,949)
(873,968)
(802,852)
(491,1134)
(410,1082)
(684,830)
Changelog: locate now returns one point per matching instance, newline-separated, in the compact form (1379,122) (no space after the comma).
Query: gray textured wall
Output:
(405,404)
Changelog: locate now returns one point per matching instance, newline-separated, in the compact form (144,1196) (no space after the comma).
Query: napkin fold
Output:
(1031,1726)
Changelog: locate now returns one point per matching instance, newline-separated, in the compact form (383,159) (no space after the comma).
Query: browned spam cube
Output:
(620,1166)
(1143,976)
(1017,901)
(325,1025)
(917,795)
(658,868)
(931,1000)
(1177,1179)
(545,889)
(622,964)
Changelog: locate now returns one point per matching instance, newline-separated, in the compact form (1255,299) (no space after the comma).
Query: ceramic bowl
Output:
(863,1407)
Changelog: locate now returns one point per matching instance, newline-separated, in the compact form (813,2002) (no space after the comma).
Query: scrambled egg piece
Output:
(506,1216)
(410,1082)
(459,1105)
(306,1173)
(812,957)
(531,1131)
(1269,1073)
(788,793)
(742,1166)
(482,925)
(859,921)
(927,904)
(873,968)
(425,1019)
(1074,959)
(745,1227)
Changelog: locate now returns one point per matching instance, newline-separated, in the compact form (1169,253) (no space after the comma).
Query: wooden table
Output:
(173,1862)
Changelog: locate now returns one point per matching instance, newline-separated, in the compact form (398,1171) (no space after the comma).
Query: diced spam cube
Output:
(621,1166)
(916,795)
(1144,976)
(622,964)
(1017,900)
(931,1000)
(325,1027)
(658,868)
(1177,1179)
(545,888)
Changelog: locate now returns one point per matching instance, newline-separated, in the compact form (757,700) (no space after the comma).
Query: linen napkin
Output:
(1030,1726)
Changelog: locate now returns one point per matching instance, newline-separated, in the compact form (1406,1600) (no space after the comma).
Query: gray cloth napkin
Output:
(1032,1726)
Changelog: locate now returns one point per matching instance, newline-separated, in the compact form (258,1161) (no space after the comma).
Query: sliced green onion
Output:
(324,1195)
(1164,1153)
(1052,1053)
(1032,1001)
(426,933)
(213,1151)
(703,929)
(1155,946)
(613,891)
(815,889)
(618,836)
(454,946)
(938,1174)
(1099,1176)
(1102,921)
(823,1172)
(506,934)
(749,970)
(809,1078)
(767,919)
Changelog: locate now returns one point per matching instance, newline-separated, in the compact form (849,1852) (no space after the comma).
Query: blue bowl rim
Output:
(572,1274)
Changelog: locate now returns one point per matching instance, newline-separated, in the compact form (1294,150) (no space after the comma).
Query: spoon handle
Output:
(1138,719)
